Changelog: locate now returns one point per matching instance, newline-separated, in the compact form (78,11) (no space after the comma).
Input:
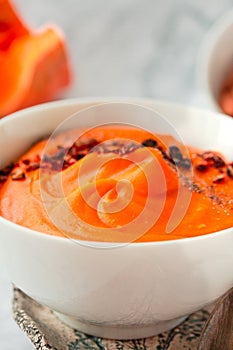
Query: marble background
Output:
(131,48)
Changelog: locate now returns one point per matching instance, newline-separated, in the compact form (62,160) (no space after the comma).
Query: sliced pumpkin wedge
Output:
(11,25)
(33,70)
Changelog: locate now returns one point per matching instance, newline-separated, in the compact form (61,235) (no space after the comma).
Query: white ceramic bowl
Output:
(133,291)
(215,59)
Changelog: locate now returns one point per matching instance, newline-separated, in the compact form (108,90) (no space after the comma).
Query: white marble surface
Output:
(122,48)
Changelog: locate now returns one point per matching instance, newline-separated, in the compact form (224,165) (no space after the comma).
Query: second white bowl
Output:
(215,59)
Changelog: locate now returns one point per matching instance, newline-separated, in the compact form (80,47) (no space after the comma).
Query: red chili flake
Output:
(69,160)
(89,143)
(18,174)
(80,156)
(58,161)
(33,166)
(208,156)
(116,147)
(37,158)
(219,179)
(3,178)
(77,155)
(213,159)
(80,147)
(26,161)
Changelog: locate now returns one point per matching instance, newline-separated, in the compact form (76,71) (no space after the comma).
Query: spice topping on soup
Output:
(114,180)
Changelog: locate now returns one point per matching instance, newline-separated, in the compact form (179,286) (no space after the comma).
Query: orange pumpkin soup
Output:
(114,177)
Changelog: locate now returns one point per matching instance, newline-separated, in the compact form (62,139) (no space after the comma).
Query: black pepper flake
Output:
(46,158)
(210,190)
(166,156)
(4,173)
(218,162)
(185,163)
(173,156)
(154,144)
(132,147)
(230,171)
(58,155)
(7,169)
(150,143)
(196,188)
(176,157)
(60,147)
(175,153)
(203,166)
(192,186)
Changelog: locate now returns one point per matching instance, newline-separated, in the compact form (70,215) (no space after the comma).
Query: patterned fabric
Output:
(47,332)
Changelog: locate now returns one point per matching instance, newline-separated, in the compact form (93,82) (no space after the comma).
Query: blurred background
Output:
(130,47)
(123,48)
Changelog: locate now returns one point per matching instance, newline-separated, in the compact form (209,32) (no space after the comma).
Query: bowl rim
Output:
(211,38)
(72,101)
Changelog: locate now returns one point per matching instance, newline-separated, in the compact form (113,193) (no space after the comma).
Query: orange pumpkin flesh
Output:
(34,65)
(102,199)
(11,25)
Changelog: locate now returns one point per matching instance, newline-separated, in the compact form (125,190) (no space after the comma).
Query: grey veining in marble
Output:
(141,48)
